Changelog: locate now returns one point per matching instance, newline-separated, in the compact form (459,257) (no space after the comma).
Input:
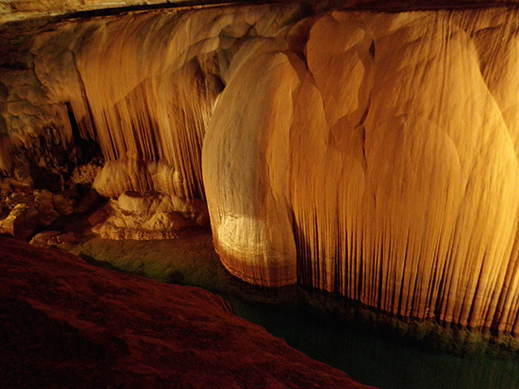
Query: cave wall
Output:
(379,161)
(369,154)
(13,10)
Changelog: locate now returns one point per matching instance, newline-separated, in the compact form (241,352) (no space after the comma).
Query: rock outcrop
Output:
(27,213)
(147,216)
(16,10)
(369,154)
(65,323)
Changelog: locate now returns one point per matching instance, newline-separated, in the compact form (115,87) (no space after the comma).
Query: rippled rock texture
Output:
(369,154)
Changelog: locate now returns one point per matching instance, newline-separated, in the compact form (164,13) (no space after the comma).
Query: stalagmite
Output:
(370,154)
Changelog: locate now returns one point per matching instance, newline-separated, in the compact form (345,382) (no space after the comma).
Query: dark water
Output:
(366,357)
(376,361)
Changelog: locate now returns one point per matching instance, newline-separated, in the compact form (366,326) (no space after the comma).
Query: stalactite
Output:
(370,154)
(143,87)
(402,163)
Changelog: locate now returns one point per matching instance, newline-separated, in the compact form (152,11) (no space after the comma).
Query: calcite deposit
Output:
(366,153)
(12,10)
(27,213)
(147,216)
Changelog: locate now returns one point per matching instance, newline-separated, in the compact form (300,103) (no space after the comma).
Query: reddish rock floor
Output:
(67,324)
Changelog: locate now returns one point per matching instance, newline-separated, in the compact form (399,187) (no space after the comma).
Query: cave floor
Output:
(299,317)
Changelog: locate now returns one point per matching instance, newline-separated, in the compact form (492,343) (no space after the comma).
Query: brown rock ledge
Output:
(65,323)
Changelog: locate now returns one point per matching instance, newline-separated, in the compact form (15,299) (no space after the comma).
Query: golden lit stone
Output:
(370,154)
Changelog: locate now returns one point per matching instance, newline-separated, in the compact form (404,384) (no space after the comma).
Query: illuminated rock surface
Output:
(383,166)
(13,10)
(65,323)
(146,216)
(370,154)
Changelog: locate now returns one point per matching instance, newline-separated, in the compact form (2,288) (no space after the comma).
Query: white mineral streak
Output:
(374,155)
(246,157)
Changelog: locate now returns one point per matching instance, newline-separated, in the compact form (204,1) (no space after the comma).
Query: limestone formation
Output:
(370,154)
(147,216)
(26,214)
(378,161)
(13,10)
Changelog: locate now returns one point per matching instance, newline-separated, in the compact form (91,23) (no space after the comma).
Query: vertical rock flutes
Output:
(370,154)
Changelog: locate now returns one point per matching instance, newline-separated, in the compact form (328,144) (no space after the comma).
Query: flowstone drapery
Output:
(369,154)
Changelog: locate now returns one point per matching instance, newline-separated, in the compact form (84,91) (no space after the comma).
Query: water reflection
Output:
(369,359)
(377,361)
